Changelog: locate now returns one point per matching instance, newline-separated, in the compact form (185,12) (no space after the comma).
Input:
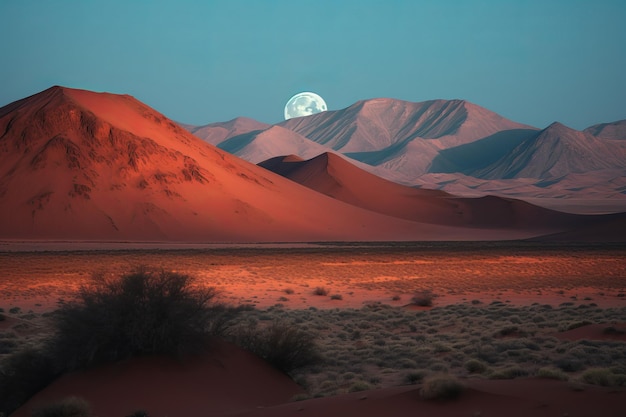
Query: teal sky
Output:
(205,61)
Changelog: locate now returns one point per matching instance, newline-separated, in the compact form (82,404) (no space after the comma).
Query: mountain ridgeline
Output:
(451,145)
(80,165)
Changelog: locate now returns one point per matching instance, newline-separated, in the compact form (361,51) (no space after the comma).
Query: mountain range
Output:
(454,146)
(79,165)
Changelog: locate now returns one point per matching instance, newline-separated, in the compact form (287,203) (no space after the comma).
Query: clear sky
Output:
(533,61)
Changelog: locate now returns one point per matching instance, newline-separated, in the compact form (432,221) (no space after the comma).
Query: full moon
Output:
(304,104)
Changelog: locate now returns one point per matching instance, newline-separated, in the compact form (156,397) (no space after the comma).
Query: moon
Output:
(304,104)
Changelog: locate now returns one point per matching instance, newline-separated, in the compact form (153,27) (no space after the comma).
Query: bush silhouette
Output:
(23,374)
(144,312)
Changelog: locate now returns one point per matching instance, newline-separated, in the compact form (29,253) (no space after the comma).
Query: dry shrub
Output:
(603,377)
(414,377)
(423,299)
(320,291)
(441,388)
(359,386)
(475,366)
(144,312)
(23,374)
(282,344)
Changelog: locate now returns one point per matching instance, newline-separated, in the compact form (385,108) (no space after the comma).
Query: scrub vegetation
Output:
(327,351)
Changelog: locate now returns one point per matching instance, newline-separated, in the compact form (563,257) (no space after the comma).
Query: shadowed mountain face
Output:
(216,133)
(554,152)
(81,165)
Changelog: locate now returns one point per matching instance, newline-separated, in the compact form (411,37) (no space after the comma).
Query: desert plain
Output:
(527,328)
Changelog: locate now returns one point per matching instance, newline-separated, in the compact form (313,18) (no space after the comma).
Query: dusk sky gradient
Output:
(533,61)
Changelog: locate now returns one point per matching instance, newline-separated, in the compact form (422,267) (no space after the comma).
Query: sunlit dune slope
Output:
(96,166)
(334,176)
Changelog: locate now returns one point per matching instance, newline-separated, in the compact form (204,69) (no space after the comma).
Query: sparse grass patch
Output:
(68,407)
(336,297)
(511,372)
(359,386)
(578,324)
(552,373)
(300,397)
(603,377)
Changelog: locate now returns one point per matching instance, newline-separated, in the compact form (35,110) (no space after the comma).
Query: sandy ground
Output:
(231,382)
(520,274)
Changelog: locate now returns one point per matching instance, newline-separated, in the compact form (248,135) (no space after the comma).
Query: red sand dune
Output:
(225,381)
(231,386)
(332,175)
(95,166)
(484,398)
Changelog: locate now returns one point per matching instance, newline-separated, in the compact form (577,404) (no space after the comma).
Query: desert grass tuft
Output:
(423,299)
(474,366)
(321,291)
(603,377)
(441,388)
(552,373)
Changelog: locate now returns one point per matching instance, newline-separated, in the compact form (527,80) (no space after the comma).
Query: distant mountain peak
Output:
(614,130)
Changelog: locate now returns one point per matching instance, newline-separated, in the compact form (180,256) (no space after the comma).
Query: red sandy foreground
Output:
(233,383)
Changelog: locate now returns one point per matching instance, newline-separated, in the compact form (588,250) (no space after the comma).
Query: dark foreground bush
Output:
(441,388)
(144,312)
(68,407)
(281,344)
(23,374)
